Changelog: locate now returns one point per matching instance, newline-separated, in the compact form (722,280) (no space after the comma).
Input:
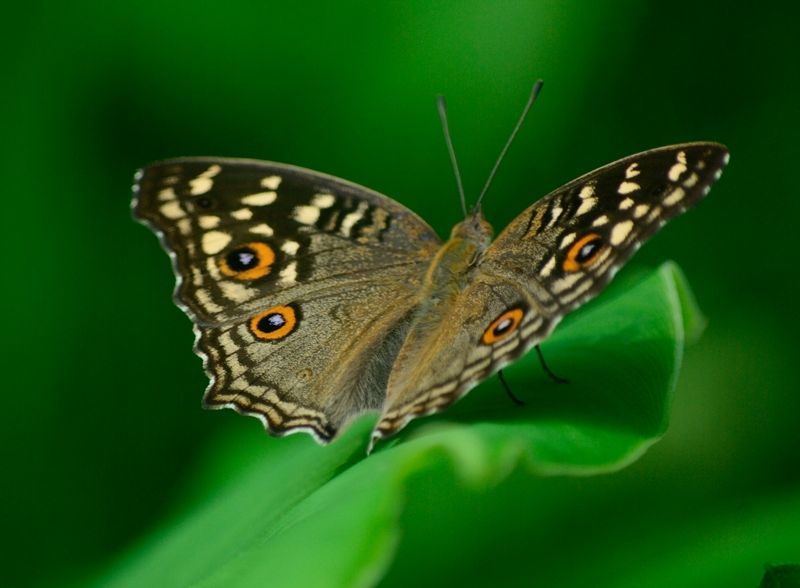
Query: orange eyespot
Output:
(503,326)
(248,261)
(274,323)
(583,252)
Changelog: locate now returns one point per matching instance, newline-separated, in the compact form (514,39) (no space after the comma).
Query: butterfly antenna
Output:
(534,93)
(442,105)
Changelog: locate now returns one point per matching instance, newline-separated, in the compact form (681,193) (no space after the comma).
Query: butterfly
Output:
(315,299)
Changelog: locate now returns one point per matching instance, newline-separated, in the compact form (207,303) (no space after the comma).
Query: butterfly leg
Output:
(507,388)
(547,370)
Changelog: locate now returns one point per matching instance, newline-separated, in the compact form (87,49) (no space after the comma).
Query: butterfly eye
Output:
(248,262)
(503,326)
(583,252)
(274,323)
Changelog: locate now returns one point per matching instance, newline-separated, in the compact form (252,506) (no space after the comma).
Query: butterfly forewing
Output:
(571,242)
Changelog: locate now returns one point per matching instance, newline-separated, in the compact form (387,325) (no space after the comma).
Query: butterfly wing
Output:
(299,284)
(553,257)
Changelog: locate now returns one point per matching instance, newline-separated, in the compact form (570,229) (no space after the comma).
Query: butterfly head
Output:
(474,228)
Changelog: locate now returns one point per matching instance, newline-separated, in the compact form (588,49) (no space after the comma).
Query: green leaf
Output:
(288,512)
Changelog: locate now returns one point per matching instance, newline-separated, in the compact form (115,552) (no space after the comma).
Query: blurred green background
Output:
(101,427)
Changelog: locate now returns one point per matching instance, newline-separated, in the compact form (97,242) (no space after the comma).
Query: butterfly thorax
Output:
(451,265)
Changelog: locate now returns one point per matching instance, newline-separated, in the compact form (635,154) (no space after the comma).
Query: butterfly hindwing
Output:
(286,273)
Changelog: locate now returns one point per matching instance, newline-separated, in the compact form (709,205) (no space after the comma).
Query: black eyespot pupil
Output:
(587,251)
(242,259)
(271,322)
(502,327)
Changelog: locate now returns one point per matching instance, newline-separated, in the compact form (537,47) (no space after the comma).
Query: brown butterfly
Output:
(315,299)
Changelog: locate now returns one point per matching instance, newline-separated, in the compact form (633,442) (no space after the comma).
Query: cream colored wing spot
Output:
(632,171)
(262,229)
(586,205)
(567,240)
(208,221)
(621,231)
(587,191)
(204,182)
(215,241)
(288,275)
(628,187)
(172,210)
(626,204)
(679,167)
(577,292)
(554,214)
(352,218)
(675,196)
(566,282)
(237,292)
(306,215)
(205,301)
(654,214)
(242,214)
(260,198)
(640,210)
(290,247)
(323,200)
(600,221)
(691,180)
(548,267)
(167,194)
(271,182)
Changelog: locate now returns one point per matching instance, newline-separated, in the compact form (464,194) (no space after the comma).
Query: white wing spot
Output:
(208,222)
(242,214)
(586,205)
(628,187)
(271,182)
(717,174)
(352,218)
(621,231)
(215,241)
(260,198)
(306,215)
(600,221)
(290,247)
(626,204)
(726,158)
(262,229)
(204,182)
(632,171)
(548,267)
(567,240)
(323,200)
(640,210)
(675,196)
(172,210)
